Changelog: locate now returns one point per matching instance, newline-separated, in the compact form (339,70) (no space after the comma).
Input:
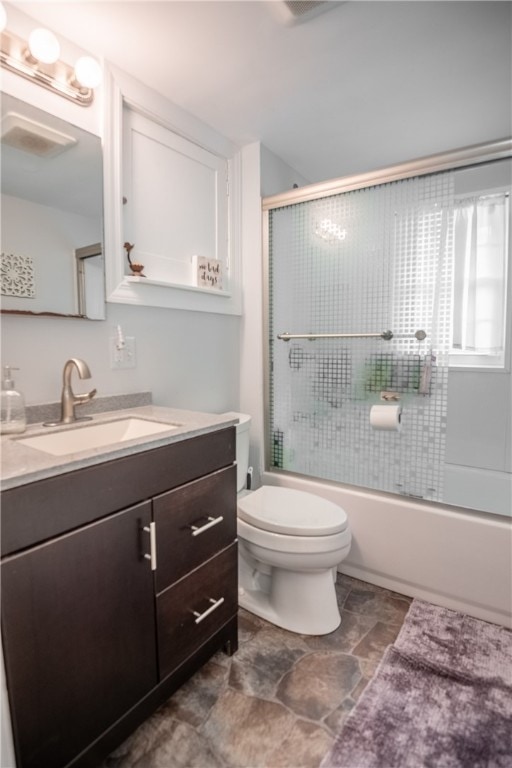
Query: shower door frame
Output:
(465,157)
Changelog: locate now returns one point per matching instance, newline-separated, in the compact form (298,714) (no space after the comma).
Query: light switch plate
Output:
(124,357)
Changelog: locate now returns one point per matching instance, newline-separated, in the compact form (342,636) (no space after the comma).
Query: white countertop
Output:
(21,464)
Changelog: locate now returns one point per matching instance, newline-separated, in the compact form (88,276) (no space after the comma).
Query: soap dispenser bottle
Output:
(12,406)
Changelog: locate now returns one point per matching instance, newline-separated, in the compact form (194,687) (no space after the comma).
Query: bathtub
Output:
(453,557)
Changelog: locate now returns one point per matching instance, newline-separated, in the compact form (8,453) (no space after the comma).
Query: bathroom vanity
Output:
(119,580)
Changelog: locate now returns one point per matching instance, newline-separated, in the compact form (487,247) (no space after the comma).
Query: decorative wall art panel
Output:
(17,276)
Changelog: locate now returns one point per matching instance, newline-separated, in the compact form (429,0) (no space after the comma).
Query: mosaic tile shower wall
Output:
(365,261)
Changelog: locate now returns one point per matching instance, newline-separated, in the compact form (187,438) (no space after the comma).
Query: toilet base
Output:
(302,602)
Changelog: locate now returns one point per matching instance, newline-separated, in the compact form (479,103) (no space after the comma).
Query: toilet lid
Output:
(287,511)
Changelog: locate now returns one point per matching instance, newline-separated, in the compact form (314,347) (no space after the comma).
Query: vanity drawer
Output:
(193,523)
(196,607)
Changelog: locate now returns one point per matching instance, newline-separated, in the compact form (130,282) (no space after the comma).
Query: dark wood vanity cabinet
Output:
(97,629)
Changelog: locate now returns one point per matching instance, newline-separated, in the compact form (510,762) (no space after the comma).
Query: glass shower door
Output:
(369,261)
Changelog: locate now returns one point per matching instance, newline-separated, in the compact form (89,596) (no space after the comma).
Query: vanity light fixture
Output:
(88,72)
(43,47)
(39,62)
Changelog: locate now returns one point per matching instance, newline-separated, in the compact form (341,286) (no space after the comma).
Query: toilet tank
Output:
(242,447)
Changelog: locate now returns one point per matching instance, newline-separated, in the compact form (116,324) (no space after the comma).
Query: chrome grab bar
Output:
(386,335)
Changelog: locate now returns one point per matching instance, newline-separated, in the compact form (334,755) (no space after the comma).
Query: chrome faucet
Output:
(68,399)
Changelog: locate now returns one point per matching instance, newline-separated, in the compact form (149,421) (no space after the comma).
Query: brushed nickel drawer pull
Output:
(152,544)
(211,522)
(216,604)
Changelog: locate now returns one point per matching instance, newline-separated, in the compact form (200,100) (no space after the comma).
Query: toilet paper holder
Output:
(390,397)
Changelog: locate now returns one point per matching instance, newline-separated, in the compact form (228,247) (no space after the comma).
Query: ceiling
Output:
(361,86)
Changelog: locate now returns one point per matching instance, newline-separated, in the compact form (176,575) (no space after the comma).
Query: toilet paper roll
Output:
(388,417)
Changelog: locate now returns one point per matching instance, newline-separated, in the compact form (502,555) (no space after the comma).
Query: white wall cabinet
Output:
(176,202)
(172,191)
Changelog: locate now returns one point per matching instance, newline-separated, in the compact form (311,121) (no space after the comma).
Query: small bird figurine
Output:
(135,267)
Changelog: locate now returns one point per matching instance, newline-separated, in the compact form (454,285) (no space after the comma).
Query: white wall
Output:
(277,176)
(187,359)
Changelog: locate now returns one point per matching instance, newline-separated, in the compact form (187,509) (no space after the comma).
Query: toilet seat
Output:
(291,512)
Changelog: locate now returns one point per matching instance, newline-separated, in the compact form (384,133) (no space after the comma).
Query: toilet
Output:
(290,543)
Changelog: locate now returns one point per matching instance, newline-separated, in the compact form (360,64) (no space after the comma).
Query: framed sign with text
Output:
(208,272)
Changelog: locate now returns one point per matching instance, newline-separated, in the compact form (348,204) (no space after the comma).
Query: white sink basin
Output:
(85,438)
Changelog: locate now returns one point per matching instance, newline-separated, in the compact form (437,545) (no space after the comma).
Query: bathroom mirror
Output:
(51,215)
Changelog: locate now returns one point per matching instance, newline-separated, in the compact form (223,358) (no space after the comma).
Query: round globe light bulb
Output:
(3,17)
(44,46)
(88,72)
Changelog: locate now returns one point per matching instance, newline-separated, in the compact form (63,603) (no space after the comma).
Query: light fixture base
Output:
(58,77)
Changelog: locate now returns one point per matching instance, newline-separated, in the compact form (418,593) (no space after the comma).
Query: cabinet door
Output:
(176,202)
(78,623)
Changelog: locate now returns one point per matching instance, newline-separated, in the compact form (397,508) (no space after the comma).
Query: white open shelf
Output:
(181,286)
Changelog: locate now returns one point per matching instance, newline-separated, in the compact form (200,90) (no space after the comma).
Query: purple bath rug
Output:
(441,698)
(458,642)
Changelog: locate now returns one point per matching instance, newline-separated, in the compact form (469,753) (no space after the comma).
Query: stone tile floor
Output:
(280,700)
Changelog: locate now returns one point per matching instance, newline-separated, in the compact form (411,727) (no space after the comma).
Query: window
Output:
(480,239)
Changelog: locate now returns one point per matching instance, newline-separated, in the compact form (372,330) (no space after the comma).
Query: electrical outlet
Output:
(124,357)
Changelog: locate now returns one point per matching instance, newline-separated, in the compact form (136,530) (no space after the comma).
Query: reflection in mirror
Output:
(90,280)
(51,215)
